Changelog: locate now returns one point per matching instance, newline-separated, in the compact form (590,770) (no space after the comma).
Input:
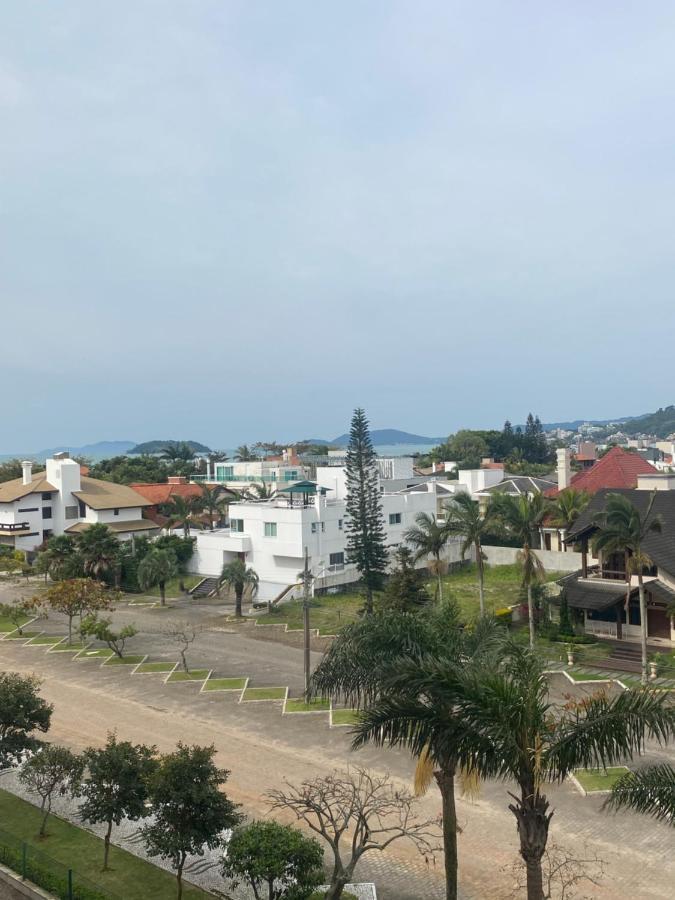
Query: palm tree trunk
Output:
(238,591)
(643,627)
(162,593)
(445,779)
(530,613)
(481,578)
(533,820)
(438,573)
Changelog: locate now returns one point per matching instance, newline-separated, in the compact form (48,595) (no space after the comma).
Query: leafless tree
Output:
(356,812)
(184,634)
(566,875)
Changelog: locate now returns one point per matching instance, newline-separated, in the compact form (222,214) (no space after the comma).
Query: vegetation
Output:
(12,468)
(53,771)
(428,537)
(568,506)
(276,861)
(102,630)
(183,511)
(115,786)
(330,612)
(650,790)
(139,469)
(16,614)
(463,518)
(239,577)
(22,711)
(99,551)
(405,589)
(155,569)
(76,597)
(214,503)
(623,529)
(190,810)
(172,450)
(244,453)
(599,779)
(364,522)
(522,449)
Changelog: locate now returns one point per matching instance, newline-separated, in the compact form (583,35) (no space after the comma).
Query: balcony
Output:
(12,527)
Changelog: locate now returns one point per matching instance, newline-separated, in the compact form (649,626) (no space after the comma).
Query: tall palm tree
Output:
(522,517)
(60,558)
(100,552)
(361,668)
(428,538)
(156,568)
(213,502)
(567,507)
(623,529)
(238,576)
(502,725)
(649,790)
(464,518)
(182,511)
(244,453)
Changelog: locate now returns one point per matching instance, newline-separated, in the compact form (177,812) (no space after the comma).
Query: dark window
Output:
(83,509)
(394,518)
(46,495)
(337,559)
(46,512)
(29,509)
(46,534)
(116,512)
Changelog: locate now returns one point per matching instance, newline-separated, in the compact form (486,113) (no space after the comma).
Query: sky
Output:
(235,221)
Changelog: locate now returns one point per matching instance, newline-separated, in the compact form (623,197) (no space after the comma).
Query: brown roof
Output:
(108,495)
(616,469)
(130,525)
(162,493)
(16,489)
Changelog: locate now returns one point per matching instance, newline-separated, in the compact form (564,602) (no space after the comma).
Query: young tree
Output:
(463,517)
(100,552)
(184,634)
(190,810)
(238,576)
(54,771)
(76,597)
(364,523)
(17,613)
(370,807)
(214,503)
(567,507)
(156,568)
(405,590)
(116,784)
(22,711)
(101,629)
(276,861)
(429,538)
(624,529)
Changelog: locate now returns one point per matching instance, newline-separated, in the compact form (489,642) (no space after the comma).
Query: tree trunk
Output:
(438,574)
(337,886)
(446,784)
(162,593)
(106,845)
(533,820)
(530,613)
(46,809)
(643,627)
(179,877)
(481,578)
(70,630)
(238,593)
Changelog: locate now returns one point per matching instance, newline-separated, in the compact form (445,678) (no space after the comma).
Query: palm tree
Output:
(213,503)
(156,568)
(177,451)
(60,558)
(464,518)
(245,454)
(258,490)
(182,511)
(649,790)
(497,722)
(523,516)
(238,576)
(428,538)
(623,529)
(100,552)
(567,507)
(361,668)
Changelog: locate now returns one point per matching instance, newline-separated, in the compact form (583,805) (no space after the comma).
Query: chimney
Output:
(27,469)
(564,469)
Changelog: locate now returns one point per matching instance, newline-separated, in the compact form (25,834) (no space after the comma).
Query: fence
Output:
(46,872)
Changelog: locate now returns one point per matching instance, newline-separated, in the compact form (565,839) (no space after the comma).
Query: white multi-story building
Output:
(271,536)
(241,475)
(61,500)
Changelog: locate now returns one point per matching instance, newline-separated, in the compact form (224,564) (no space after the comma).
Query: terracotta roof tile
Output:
(615,470)
(162,493)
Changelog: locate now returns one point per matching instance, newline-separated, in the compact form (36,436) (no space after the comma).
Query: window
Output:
(270,529)
(116,512)
(340,524)
(237,525)
(29,509)
(337,559)
(223,473)
(46,534)
(71,512)
(83,510)
(47,511)
(46,495)
(315,527)
(394,518)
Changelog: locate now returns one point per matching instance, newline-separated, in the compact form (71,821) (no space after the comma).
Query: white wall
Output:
(473,480)
(552,560)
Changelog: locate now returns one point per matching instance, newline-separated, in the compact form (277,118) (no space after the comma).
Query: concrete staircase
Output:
(205,588)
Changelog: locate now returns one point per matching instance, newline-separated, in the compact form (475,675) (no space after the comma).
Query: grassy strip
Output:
(7,626)
(128,877)
(75,647)
(47,640)
(261,693)
(344,717)
(194,675)
(298,705)
(225,684)
(587,676)
(95,654)
(148,667)
(26,636)
(599,779)
(123,661)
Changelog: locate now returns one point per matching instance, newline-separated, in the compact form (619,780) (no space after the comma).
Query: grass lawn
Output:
(47,640)
(587,676)
(261,693)
(599,779)
(298,705)
(225,684)
(26,636)
(124,661)
(328,613)
(103,653)
(128,877)
(194,675)
(502,588)
(344,717)
(148,667)
(6,625)
(173,586)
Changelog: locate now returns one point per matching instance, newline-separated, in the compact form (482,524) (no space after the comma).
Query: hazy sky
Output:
(234,221)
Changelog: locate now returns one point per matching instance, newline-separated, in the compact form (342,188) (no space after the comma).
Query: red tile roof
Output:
(616,469)
(162,493)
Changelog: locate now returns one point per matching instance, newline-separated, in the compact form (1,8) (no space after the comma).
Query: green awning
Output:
(303,487)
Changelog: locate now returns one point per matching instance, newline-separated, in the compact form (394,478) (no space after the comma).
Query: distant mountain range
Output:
(99,450)
(381,436)
(158,446)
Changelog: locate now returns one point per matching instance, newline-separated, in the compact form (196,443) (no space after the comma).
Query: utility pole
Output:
(306,580)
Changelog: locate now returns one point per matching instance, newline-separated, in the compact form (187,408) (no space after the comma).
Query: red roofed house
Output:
(618,469)
(159,494)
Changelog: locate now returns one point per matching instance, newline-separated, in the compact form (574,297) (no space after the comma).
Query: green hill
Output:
(661,423)
(149,447)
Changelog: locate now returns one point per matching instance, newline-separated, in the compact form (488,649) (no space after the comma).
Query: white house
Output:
(271,535)
(241,475)
(61,500)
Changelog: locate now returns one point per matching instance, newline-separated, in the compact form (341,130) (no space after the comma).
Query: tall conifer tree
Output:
(364,520)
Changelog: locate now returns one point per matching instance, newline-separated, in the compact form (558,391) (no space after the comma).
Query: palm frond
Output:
(650,790)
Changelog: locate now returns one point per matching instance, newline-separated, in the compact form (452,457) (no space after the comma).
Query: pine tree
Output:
(364,519)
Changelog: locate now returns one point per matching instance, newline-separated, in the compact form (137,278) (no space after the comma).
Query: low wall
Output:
(552,560)
(13,888)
